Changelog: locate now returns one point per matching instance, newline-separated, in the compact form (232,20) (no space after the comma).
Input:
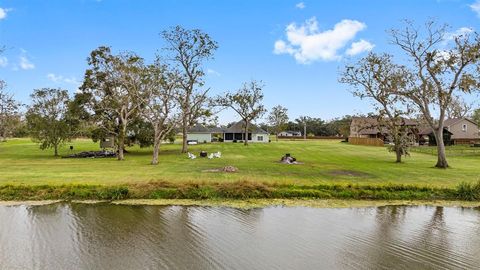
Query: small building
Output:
(236,133)
(199,134)
(290,133)
(108,142)
(456,131)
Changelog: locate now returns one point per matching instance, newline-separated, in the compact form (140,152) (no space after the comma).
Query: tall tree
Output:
(246,102)
(278,119)
(188,51)
(159,102)
(375,77)
(47,118)
(113,85)
(8,112)
(439,73)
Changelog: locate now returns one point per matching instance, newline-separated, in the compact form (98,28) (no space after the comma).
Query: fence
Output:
(366,141)
(294,138)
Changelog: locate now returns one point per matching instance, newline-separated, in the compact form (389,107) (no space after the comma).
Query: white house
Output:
(236,133)
(201,134)
(290,133)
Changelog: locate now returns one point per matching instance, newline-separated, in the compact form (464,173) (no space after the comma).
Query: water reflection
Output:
(104,236)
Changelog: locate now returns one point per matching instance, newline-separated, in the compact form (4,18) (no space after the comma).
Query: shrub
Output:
(468,191)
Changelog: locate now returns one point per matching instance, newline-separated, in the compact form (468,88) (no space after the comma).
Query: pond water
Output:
(105,236)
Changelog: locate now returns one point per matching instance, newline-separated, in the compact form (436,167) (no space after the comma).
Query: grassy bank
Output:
(325,162)
(330,170)
(238,191)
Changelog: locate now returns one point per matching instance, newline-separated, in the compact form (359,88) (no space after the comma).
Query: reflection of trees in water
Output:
(400,239)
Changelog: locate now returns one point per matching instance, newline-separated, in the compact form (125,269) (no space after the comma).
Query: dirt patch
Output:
(226,169)
(349,173)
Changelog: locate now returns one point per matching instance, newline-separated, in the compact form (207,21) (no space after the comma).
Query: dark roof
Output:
(428,131)
(199,129)
(239,126)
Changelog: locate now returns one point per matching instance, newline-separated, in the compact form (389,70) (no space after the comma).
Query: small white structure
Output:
(236,133)
(290,133)
(199,134)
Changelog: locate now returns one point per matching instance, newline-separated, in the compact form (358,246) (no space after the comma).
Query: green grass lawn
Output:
(22,162)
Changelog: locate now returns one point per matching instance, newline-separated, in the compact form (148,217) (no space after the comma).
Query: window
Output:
(229,136)
(260,138)
(464,127)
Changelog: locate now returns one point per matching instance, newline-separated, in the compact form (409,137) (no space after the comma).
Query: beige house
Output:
(464,130)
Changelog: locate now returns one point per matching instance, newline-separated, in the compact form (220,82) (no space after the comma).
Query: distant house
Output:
(459,130)
(199,134)
(236,133)
(202,134)
(290,133)
(368,127)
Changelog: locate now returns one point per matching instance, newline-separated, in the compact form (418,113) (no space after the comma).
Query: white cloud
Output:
(300,5)
(25,64)
(213,72)
(60,79)
(3,61)
(54,78)
(3,13)
(476,7)
(459,32)
(359,47)
(306,43)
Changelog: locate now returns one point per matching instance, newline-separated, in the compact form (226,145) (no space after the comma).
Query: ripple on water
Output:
(105,236)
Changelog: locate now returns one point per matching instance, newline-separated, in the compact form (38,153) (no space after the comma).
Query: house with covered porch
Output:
(234,133)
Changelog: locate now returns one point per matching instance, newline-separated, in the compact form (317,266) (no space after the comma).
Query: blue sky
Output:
(296,47)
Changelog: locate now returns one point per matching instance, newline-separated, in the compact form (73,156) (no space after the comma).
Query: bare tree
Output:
(113,84)
(278,119)
(159,103)
(376,78)
(8,112)
(458,108)
(438,73)
(189,49)
(246,102)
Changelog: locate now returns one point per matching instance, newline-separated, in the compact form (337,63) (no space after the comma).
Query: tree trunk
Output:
(246,133)
(56,149)
(121,143)
(184,136)
(276,137)
(184,140)
(156,151)
(156,147)
(441,156)
(399,155)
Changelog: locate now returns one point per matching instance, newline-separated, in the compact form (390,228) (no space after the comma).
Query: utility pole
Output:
(305,130)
